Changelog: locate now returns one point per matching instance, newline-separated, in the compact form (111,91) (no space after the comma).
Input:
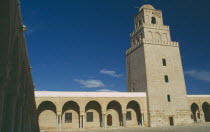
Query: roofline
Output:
(198,96)
(88,94)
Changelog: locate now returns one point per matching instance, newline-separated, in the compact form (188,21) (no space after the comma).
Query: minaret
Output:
(154,66)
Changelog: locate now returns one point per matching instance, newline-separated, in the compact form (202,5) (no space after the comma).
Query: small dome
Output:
(147,7)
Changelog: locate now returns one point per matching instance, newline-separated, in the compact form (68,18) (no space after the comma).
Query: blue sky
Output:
(79,45)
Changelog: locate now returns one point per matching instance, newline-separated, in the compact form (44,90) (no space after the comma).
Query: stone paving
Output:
(204,127)
(198,127)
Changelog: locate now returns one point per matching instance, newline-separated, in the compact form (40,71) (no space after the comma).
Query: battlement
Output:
(155,26)
(151,41)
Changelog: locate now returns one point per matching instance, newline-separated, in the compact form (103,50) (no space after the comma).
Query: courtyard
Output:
(196,127)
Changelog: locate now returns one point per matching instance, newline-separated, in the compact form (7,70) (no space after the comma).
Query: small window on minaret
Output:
(166,78)
(133,88)
(164,62)
(153,21)
(169,98)
(140,23)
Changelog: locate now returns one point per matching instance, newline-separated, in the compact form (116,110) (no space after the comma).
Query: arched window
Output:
(165,38)
(157,36)
(195,109)
(153,20)
(150,35)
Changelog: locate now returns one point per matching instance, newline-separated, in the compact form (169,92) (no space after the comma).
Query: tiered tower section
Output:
(154,66)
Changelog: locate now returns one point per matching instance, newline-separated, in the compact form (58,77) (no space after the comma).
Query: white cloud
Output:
(110,73)
(106,90)
(90,83)
(199,75)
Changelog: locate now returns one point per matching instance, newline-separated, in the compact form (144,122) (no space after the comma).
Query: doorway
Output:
(109,120)
(171,121)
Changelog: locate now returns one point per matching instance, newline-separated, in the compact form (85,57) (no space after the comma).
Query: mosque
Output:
(156,91)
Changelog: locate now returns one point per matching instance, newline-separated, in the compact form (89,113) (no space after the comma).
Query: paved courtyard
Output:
(198,127)
(204,127)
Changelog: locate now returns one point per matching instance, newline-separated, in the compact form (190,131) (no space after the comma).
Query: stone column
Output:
(84,120)
(202,118)
(81,122)
(104,120)
(9,113)
(124,119)
(142,119)
(59,121)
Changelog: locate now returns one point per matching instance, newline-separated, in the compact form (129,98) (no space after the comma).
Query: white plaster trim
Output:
(88,94)
(198,95)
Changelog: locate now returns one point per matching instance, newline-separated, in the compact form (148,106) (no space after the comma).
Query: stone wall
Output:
(200,108)
(101,108)
(17,103)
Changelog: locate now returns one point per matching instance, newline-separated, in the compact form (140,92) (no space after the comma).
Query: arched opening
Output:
(157,36)
(150,35)
(47,115)
(195,112)
(165,37)
(115,110)
(206,110)
(153,20)
(70,115)
(109,120)
(133,115)
(93,115)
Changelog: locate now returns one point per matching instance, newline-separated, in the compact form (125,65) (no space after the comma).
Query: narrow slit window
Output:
(164,62)
(169,98)
(133,87)
(171,121)
(166,78)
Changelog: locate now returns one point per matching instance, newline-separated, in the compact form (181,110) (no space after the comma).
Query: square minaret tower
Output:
(154,66)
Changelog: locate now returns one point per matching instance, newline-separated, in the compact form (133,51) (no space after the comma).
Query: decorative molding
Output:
(154,26)
(151,41)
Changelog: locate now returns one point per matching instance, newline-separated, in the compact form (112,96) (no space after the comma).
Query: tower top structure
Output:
(147,6)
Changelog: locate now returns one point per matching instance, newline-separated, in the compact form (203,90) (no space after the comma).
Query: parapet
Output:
(154,26)
(154,42)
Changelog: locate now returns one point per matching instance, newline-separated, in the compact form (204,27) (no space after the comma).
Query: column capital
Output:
(58,113)
(104,113)
(124,112)
(82,113)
